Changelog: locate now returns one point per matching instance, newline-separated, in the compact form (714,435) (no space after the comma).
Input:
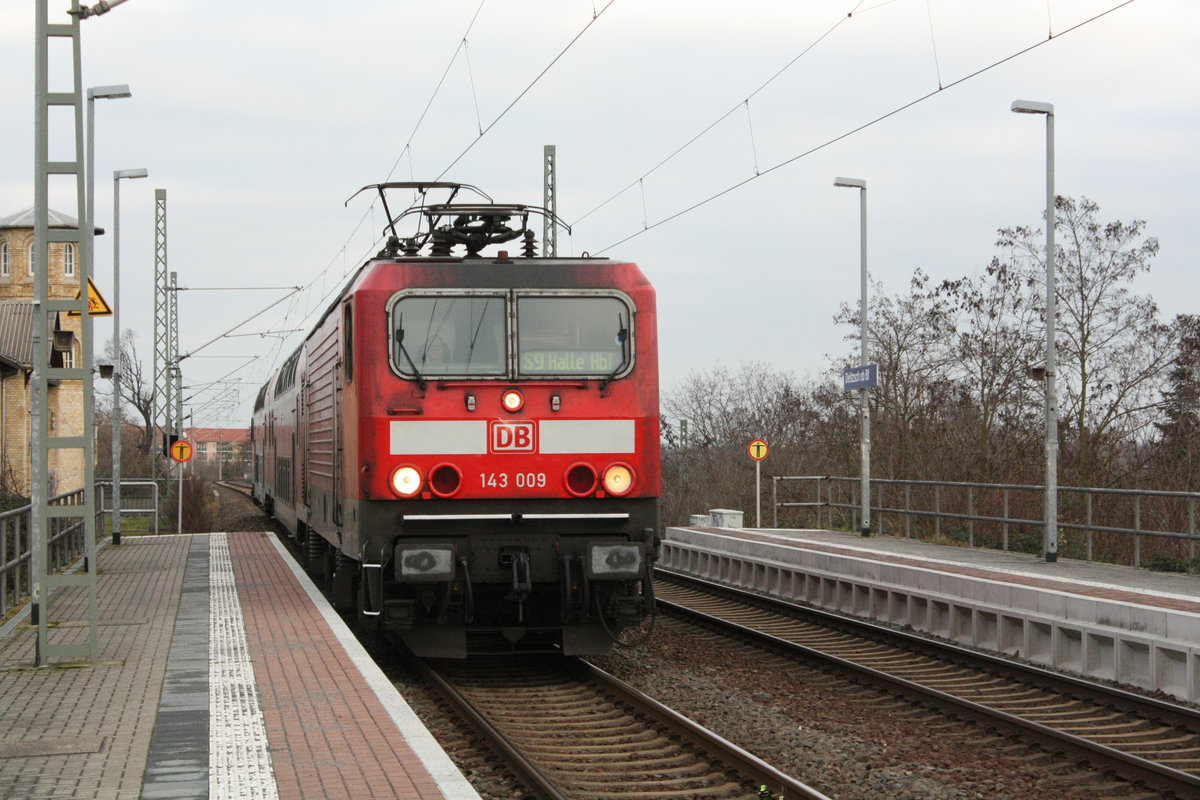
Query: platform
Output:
(1109,622)
(222,673)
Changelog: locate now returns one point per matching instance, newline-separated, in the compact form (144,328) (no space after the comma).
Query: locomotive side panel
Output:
(323,430)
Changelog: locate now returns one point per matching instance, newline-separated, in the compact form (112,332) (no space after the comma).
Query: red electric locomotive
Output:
(466,447)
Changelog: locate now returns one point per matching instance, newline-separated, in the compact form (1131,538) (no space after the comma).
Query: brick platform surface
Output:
(133,725)
(330,736)
(84,731)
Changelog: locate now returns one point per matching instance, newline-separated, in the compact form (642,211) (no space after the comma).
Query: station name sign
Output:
(864,377)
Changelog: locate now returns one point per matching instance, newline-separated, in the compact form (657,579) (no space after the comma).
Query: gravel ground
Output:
(237,512)
(850,742)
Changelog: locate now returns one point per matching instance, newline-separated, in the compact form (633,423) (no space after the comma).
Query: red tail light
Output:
(580,479)
(445,480)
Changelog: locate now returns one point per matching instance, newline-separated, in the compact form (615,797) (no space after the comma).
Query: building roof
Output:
(16,332)
(24,219)
(201,435)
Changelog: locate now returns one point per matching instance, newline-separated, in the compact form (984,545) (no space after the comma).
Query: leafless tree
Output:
(137,391)
(1112,349)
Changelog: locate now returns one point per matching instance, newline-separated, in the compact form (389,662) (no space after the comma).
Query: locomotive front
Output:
(507,449)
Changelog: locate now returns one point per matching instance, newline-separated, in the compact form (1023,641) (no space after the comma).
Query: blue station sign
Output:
(864,377)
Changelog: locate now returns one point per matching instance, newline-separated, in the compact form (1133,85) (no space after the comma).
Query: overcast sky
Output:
(260,119)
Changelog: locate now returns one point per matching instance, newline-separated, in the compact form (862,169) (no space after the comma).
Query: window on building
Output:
(31,254)
(5,265)
(68,358)
(68,259)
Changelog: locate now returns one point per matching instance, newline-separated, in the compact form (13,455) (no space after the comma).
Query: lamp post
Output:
(865,421)
(118,367)
(89,224)
(1050,534)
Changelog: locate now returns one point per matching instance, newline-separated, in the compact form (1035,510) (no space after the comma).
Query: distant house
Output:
(219,446)
(64,399)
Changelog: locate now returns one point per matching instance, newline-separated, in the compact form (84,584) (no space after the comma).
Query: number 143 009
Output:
(519,480)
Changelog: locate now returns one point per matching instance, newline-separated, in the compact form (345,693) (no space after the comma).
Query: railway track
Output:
(573,731)
(1147,741)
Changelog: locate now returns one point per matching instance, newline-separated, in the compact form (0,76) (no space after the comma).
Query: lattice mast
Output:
(163,381)
(550,202)
(48,518)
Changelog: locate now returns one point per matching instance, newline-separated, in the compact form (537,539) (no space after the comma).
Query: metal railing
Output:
(138,497)
(1112,525)
(65,544)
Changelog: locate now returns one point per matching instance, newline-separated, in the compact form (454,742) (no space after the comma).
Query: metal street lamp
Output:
(865,423)
(117,365)
(1050,535)
(89,224)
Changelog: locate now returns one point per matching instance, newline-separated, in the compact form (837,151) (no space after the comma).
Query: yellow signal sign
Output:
(757,449)
(182,450)
(97,305)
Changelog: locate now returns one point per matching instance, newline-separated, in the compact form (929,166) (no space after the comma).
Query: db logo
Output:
(513,437)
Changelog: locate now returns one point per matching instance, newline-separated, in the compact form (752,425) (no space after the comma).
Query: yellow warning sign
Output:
(758,449)
(182,451)
(97,305)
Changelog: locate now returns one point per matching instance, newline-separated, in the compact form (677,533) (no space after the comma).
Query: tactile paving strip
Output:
(239,762)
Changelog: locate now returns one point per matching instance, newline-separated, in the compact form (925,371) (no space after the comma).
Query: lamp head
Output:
(130,173)
(850,183)
(1032,107)
(109,92)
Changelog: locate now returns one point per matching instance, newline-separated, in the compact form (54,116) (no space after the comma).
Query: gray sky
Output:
(260,119)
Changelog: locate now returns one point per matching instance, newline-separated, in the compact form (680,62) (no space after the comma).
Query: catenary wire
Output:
(858,129)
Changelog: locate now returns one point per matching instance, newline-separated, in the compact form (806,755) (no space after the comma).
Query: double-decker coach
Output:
(466,446)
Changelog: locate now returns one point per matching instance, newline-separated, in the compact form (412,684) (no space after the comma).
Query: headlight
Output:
(512,400)
(424,563)
(406,481)
(614,561)
(618,479)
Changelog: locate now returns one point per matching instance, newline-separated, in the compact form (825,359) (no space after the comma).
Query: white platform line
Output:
(239,763)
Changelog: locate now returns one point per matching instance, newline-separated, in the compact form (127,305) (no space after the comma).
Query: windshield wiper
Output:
(623,338)
(404,351)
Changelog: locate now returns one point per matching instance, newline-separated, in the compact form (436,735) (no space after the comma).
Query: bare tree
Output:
(137,393)
(1112,348)
(1177,449)
(994,345)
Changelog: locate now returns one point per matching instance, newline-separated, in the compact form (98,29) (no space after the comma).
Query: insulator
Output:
(529,246)
(441,244)
(391,249)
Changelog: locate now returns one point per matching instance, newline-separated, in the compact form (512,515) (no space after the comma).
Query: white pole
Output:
(1050,523)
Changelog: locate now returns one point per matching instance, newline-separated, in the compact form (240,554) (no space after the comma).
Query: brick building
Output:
(223,448)
(65,398)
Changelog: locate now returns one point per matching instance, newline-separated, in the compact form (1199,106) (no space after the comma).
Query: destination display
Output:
(569,362)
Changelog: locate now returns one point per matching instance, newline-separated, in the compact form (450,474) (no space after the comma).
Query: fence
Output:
(138,497)
(64,542)
(1112,525)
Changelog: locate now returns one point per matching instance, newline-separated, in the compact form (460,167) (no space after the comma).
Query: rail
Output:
(65,544)
(1111,525)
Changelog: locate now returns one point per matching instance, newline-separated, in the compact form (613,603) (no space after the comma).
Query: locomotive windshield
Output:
(554,335)
(571,336)
(448,335)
